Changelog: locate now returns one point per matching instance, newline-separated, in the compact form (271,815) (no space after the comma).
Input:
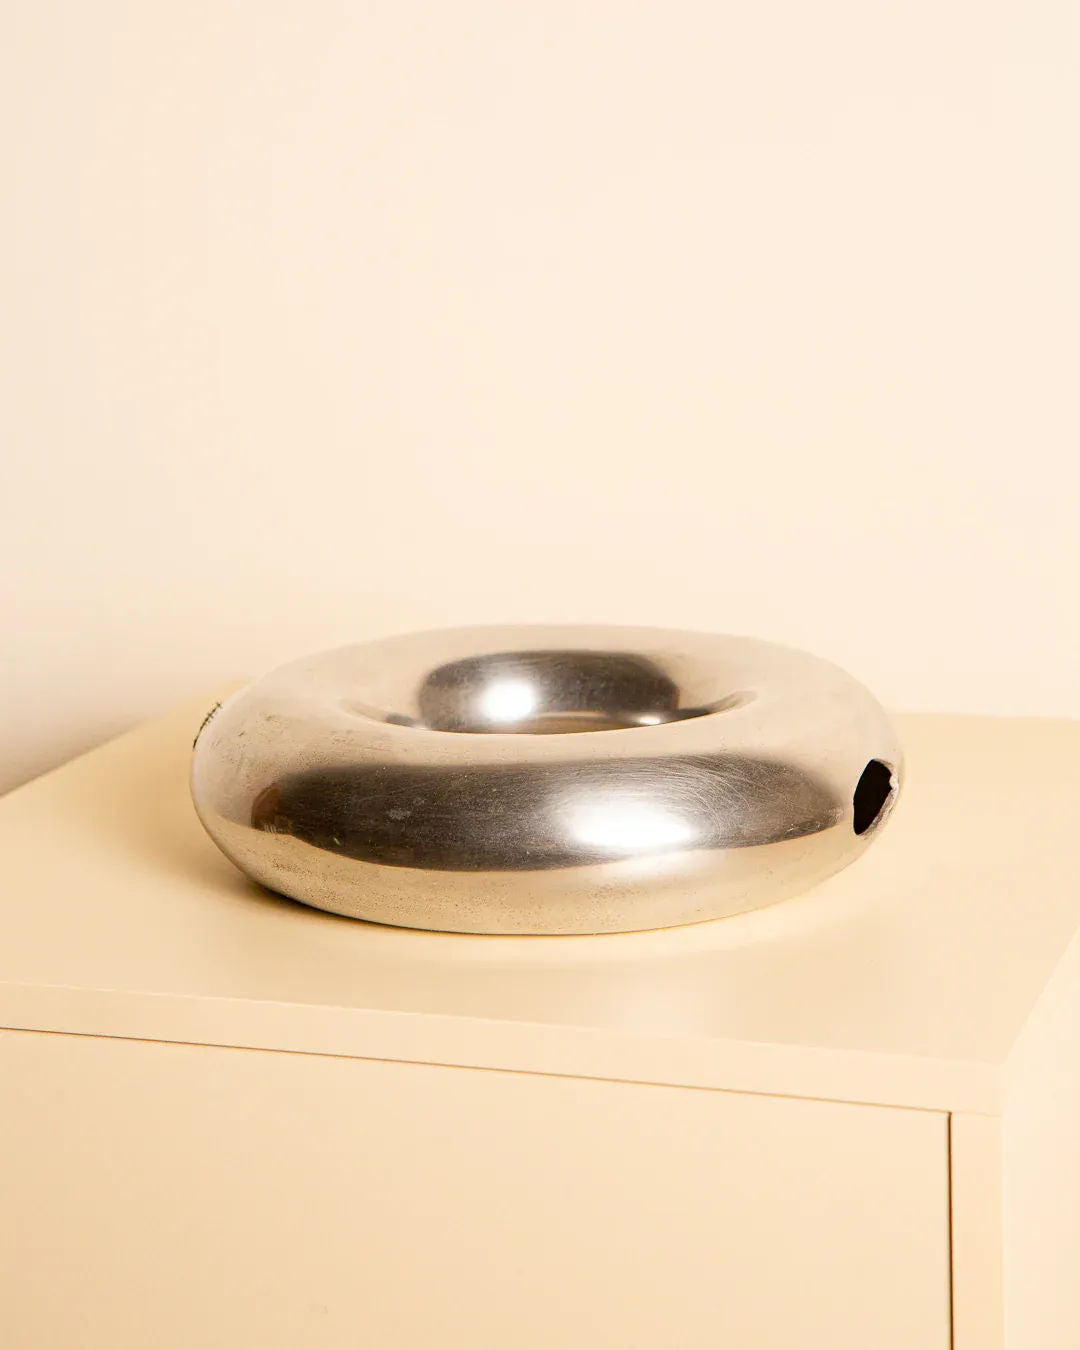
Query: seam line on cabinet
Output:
(949,1229)
(487,1068)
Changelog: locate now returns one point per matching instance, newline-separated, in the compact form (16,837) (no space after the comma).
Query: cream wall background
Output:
(325,320)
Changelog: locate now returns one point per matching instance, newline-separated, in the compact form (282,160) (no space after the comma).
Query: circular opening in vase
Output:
(873,792)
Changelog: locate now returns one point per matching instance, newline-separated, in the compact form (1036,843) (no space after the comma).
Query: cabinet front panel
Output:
(195,1198)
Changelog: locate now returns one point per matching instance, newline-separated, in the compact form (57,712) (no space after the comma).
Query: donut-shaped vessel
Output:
(547,780)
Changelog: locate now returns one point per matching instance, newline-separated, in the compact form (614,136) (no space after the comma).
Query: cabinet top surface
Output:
(904,979)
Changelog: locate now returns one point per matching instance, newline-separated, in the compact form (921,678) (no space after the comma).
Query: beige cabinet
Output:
(226,1120)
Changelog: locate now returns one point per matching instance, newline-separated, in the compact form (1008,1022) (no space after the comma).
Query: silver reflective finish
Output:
(547,780)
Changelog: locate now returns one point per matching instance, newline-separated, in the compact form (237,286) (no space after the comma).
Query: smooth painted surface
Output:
(976,1237)
(904,979)
(327,320)
(182,1196)
(1041,1172)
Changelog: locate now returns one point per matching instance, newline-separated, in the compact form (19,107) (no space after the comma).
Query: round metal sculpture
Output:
(547,780)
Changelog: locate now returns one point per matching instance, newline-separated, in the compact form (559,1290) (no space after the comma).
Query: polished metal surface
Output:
(547,780)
